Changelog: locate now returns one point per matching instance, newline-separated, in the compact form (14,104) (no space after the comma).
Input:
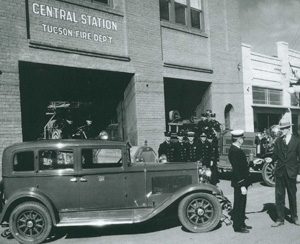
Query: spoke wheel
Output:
(199,212)
(268,172)
(30,222)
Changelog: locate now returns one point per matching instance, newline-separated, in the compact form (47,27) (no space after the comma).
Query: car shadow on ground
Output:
(165,221)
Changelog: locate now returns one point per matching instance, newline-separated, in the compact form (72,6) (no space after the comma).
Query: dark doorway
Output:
(40,84)
(184,96)
(265,121)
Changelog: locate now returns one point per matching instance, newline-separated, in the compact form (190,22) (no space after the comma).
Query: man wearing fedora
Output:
(287,154)
(239,181)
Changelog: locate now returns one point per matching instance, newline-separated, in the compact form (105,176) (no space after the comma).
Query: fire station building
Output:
(134,61)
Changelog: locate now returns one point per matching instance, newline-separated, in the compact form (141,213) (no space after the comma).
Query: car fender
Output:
(28,194)
(181,193)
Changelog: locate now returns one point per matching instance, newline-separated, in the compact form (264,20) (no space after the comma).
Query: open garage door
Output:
(101,91)
(186,97)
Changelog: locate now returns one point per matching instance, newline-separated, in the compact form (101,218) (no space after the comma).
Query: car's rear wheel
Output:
(199,212)
(30,222)
(268,172)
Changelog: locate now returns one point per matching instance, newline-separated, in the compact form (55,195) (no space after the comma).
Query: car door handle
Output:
(74,179)
(83,179)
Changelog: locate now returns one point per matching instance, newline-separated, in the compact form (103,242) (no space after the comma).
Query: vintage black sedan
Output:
(94,183)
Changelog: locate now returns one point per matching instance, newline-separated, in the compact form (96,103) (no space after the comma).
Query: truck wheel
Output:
(199,212)
(30,222)
(268,171)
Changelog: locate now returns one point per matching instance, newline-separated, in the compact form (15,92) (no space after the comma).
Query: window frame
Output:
(188,17)
(109,2)
(22,171)
(267,96)
(56,169)
(109,167)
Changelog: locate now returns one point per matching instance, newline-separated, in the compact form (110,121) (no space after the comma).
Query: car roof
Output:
(63,143)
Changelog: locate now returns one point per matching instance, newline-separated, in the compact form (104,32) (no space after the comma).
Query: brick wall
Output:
(142,55)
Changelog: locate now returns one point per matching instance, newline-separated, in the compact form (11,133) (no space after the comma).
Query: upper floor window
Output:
(101,1)
(266,96)
(295,99)
(185,12)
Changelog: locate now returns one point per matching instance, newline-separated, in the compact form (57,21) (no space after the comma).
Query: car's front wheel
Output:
(30,222)
(199,212)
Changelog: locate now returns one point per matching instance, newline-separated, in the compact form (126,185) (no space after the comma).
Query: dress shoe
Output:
(247,227)
(296,222)
(242,230)
(277,224)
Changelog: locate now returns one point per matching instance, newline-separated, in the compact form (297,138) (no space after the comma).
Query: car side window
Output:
(101,158)
(23,161)
(56,159)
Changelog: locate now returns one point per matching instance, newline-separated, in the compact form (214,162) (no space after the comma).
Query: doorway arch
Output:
(228,115)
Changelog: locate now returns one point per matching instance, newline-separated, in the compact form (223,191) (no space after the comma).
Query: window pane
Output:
(164,9)
(181,1)
(52,160)
(101,158)
(179,13)
(259,96)
(24,161)
(275,97)
(196,4)
(294,99)
(195,19)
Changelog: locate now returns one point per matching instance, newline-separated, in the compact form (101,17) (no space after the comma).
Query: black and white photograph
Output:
(149,121)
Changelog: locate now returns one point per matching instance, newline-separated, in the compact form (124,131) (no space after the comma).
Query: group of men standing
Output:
(192,146)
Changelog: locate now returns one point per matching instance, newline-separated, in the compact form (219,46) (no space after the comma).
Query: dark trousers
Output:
(214,174)
(239,209)
(283,182)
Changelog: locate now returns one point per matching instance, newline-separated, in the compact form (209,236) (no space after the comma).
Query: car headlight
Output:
(208,172)
(205,172)
(257,161)
(268,160)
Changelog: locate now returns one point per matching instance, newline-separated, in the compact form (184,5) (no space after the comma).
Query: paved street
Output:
(169,230)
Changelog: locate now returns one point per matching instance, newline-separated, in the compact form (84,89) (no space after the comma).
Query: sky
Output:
(265,22)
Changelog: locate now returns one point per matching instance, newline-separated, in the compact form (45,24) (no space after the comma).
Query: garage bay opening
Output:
(79,93)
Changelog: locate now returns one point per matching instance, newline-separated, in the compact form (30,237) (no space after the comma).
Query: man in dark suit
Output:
(180,148)
(239,181)
(193,153)
(287,154)
(167,148)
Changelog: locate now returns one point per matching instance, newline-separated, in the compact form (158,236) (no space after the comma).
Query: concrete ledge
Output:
(44,46)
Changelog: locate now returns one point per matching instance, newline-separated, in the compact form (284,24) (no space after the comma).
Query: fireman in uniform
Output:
(192,148)
(202,124)
(167,148)
(239,181)
(205,150)
(212,139)
(180,148)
